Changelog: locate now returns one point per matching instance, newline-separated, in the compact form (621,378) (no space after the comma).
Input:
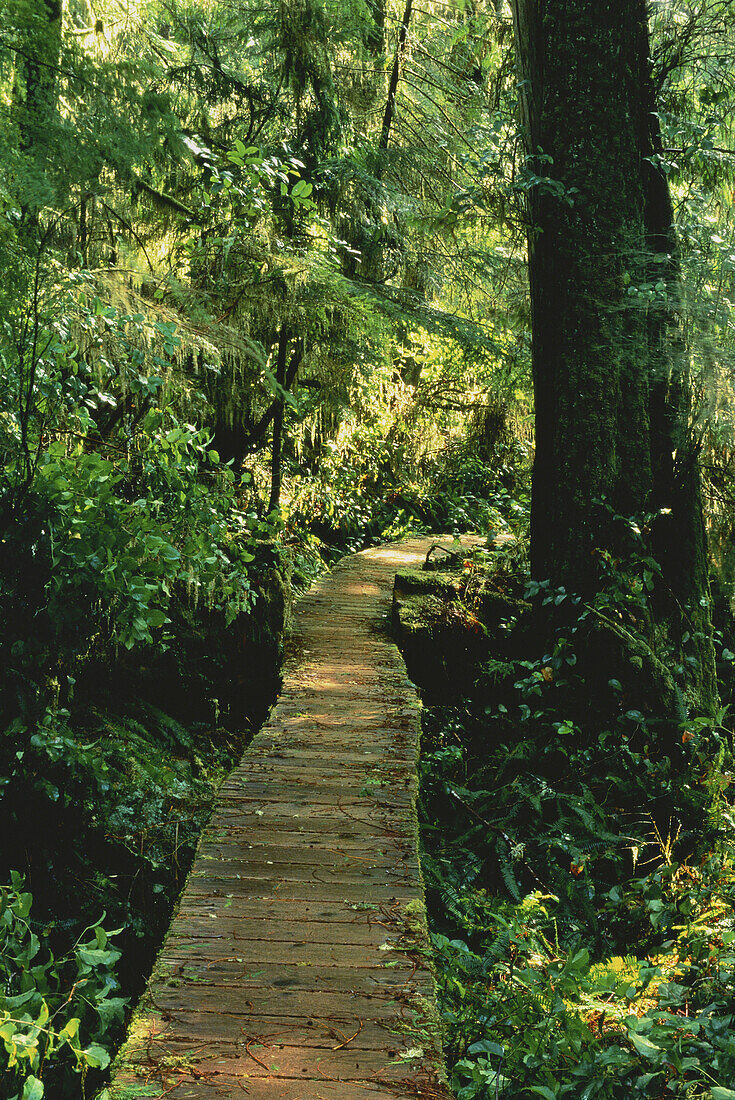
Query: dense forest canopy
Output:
(264,298)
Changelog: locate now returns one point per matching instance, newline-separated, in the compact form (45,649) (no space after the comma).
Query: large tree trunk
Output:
(608,361)
(36,73)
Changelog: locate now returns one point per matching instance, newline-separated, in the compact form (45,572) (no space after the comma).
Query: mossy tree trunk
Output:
(37,64)
(277,444)
(609,365)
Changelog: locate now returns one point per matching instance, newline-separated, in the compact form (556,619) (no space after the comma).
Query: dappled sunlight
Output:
(307,875)
(363,589)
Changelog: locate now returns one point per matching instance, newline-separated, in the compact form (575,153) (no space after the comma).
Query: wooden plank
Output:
(251,1059)
(349,919)
(211,881)
(294,860)
(295,1004)
(253,831)
(296,966)
(266,927)
(188,969)
(187,941)
(273,1033)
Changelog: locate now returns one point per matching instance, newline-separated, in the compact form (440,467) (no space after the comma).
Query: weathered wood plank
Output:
(296,966)
(189,970)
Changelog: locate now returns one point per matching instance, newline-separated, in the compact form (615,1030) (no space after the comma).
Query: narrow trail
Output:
(296,966)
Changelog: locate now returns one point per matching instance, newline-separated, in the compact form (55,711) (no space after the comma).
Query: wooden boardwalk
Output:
(297,967)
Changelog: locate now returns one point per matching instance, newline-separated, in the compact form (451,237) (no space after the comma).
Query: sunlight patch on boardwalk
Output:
(296,967)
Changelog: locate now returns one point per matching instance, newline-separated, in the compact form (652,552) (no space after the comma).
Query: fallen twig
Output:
(255,1057)
(341,1045)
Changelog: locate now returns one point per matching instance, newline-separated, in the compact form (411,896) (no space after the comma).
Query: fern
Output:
(506,870)
(499,948)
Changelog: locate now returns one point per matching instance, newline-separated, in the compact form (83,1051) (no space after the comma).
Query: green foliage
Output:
(112,804)
(579,862)
(374,488)
(527,1014)
(122,557)
(59,1011)
(182,186)
(127,546)
(115,508)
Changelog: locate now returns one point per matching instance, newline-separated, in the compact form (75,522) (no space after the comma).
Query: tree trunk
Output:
(35,77)
(609,371)
(258,431)
(277,450)
(390,104)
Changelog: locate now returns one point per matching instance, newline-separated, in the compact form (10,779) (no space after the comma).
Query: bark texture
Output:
(35,78)
(609,364)
(277,447)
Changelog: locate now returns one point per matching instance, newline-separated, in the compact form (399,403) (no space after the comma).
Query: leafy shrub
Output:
(114,509)
(580,867)
(122,535)
(528,1017)
(371,488)
(59,1013)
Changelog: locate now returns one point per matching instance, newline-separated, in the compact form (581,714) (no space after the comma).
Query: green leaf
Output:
(721,1093)
(643,1045)
(580,960)
(95,957)
(96,1056)
(8,1030)
(22,905)
(70,1029)
(543,1090)
(14,1003)
(485,1046)
(32,1089)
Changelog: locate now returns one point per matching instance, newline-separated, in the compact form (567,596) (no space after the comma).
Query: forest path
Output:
(296,965)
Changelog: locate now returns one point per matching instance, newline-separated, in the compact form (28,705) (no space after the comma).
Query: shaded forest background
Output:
(264,299)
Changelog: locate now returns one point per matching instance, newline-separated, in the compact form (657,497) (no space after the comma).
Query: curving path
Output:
(296,967)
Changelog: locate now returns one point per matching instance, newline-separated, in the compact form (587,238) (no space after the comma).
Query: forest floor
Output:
(296,966)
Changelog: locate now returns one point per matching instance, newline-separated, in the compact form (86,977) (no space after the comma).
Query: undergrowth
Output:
(103,812)
(378,491)
(580,874)
(104,790)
